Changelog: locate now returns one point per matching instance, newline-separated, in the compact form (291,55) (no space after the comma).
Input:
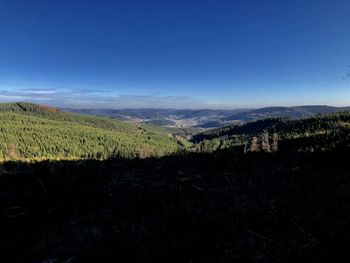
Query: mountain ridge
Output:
(208,118)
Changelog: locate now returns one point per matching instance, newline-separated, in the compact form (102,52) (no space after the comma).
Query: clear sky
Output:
(184,54)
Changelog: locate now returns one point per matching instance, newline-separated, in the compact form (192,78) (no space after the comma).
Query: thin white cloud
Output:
(42,92)
(6,98)
(69,98)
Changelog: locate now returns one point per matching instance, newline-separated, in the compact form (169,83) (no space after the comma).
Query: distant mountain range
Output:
(206,118)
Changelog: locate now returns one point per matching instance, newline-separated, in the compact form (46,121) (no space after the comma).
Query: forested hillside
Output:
(29,131)
(320,133)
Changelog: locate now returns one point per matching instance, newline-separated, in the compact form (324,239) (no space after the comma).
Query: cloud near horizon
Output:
(75,98)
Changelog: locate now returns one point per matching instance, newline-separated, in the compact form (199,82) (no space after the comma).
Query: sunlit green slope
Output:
(29,131)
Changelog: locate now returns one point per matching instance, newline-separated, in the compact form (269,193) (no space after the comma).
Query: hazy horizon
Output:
(214,107)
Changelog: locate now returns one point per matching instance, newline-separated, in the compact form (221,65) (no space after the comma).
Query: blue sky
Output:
(183,54)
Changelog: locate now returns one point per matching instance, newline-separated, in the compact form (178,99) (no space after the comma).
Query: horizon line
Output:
(227,108)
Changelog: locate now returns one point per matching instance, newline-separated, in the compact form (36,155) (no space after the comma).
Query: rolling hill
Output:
(295,112)
(30,131)
(207,118)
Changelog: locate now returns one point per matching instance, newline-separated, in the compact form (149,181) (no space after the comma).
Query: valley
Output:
(82,188)
(206,118)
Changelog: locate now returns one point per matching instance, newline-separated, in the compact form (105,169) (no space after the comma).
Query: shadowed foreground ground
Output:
(199,208)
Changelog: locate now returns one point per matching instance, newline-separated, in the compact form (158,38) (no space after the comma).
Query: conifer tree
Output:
(265,142)
(254,145)
(274,146)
